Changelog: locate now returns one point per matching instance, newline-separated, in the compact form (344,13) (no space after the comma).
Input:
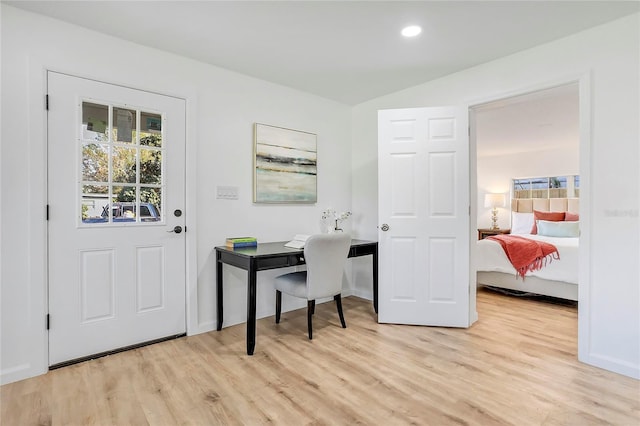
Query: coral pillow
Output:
(571,217)
(550,216)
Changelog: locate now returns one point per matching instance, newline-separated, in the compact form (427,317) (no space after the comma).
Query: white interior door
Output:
(116,181)
(423,181)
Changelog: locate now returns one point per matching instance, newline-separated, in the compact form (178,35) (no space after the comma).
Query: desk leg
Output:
(251,309)
(219,289)
(375,280)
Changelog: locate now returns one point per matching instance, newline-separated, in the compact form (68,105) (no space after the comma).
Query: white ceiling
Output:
(544,120)
(348,51)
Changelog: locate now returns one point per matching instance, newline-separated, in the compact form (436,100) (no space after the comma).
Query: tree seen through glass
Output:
(125,170)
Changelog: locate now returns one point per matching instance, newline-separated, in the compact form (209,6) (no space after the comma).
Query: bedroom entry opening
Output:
(527,155)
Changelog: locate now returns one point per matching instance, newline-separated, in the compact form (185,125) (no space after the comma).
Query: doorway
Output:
(115,189)
(528,137)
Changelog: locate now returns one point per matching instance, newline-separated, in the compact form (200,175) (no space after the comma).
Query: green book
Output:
(241,239)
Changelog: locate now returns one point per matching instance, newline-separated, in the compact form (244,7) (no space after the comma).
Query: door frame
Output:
(36,278)
(584,278)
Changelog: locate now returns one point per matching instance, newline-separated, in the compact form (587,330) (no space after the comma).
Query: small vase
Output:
(333,227)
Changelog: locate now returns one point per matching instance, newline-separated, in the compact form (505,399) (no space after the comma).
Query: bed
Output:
(559,278)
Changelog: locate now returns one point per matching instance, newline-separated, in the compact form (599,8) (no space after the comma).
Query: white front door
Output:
(423,181)
(116,185)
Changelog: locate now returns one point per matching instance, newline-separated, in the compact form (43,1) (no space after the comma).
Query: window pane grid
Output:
(546,187)
(121,172)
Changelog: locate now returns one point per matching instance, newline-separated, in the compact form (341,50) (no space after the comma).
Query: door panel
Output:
(97,284)
(404,287)
(150,278)
(424,199)
(115,167)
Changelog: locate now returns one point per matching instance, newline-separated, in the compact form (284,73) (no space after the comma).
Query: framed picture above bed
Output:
(284,165)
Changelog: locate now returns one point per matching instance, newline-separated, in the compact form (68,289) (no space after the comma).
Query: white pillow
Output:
(521,223)
(558,229)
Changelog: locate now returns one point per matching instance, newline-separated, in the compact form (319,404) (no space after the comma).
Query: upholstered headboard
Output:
(528,205)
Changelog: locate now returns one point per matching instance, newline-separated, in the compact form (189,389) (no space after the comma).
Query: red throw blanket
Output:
(526,255)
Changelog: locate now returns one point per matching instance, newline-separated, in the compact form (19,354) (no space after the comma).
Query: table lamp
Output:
(494,201)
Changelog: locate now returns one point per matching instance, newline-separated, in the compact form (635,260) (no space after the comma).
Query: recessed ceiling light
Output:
(411,31)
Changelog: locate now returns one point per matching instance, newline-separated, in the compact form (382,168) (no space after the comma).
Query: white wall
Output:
(496,172)
(607,58)
(221,108)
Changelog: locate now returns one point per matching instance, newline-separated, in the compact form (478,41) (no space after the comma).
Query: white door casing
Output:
(113,284)
(423,181)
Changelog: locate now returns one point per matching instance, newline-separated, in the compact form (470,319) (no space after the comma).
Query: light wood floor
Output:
(517,365)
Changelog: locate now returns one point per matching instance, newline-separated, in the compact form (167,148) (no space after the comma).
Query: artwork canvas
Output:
(285,169)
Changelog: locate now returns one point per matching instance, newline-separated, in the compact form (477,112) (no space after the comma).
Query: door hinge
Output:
(47,212)
(46,102)
(48,323)
(185,228)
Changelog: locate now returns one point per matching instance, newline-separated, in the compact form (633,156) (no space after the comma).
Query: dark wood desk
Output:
(271,256)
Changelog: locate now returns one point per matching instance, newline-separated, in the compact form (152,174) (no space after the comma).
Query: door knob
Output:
(384,227)
(177,229)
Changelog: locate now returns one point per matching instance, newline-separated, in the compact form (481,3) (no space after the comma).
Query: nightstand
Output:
(486,232)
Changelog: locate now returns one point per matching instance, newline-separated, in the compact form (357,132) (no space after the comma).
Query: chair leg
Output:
(311,306)
(278,305)
(338,299)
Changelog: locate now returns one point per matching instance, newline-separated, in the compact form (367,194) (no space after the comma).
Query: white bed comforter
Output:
(490,257)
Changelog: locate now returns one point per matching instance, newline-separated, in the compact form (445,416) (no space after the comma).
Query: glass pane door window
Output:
(121,170)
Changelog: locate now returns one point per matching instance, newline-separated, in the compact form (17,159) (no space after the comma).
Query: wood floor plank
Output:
(516,366)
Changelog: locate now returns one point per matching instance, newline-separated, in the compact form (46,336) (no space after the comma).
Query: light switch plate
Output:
(227,192)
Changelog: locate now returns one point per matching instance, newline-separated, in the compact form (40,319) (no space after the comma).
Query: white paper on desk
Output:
(298,241)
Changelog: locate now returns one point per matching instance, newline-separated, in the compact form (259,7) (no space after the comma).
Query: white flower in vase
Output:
(333,219)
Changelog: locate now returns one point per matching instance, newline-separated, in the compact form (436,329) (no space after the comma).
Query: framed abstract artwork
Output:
(284,165)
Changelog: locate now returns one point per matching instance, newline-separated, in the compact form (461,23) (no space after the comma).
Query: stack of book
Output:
(237,242)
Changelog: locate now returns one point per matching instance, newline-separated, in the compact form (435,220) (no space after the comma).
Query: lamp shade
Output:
(494,200)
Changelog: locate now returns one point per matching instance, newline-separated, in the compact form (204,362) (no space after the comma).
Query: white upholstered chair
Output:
(325,256)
